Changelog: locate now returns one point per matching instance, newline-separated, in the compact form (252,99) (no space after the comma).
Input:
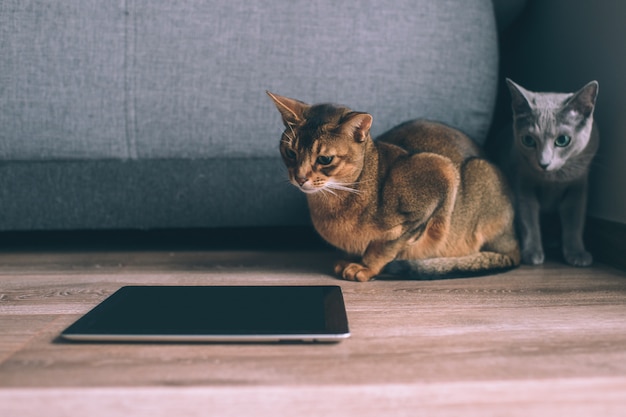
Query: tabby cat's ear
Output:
(520,100)
(357,123)
(290,109)
(584,100)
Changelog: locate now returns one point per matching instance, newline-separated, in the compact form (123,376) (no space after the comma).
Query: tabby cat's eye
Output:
(528,141)
(289,153)
(562,141)
(324,160)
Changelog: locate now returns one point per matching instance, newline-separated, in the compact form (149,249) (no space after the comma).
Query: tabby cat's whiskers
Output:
(349,187)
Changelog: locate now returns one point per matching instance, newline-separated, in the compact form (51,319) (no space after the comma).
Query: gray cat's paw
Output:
(533,257)
(581,258)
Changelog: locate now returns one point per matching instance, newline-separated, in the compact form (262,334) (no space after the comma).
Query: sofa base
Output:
(148,194)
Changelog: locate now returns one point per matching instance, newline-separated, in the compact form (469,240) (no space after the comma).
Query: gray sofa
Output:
(153,115)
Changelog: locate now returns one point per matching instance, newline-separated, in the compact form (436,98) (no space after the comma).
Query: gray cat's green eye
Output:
(528,141)
(324,160)
(289,153)
(562,141)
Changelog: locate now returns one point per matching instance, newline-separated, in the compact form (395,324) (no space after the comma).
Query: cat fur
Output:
(418,201)
(545,177)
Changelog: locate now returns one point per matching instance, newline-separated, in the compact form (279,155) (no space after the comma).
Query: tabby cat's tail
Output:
(435,268)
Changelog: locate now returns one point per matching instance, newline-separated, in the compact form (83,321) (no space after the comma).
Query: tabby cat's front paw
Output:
(533,256)
(580,258)
(353,271)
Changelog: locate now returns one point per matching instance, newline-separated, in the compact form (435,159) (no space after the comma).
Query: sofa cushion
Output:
(62,80)
(145,79)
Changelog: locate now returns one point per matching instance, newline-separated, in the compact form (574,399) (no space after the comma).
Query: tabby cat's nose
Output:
(301,180)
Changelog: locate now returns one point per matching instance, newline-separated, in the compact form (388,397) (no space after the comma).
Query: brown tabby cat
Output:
(420,197)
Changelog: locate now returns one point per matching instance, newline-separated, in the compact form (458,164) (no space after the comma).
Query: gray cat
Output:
(547,161)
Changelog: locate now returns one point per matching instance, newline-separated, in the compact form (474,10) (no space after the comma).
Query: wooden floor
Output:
(543,341)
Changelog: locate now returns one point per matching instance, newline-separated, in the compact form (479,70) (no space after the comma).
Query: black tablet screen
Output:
(217,311)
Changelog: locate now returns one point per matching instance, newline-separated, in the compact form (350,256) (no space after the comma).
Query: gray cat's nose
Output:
(544,165)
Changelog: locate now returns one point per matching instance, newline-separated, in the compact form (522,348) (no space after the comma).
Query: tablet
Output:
(216,314)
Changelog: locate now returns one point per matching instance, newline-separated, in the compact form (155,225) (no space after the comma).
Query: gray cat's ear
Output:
(584,100)
(358,123)
(291,110)
(520,98)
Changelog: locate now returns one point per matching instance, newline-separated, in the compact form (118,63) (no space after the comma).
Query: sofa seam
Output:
(130,114)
